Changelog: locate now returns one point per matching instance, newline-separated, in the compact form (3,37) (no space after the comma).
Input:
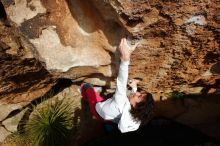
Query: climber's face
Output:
(137,97)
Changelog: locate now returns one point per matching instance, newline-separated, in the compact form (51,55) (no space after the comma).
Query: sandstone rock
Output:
(96,81)
(195,90)
(203,115)
(75,35)
(212,90)
(197,111)
(8,108)
(22,78)
(3,133)
(77,40)
(179,39)
(11,124)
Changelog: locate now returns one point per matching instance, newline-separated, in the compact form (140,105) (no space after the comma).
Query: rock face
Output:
(22,77)
(78,40)
(73,39)
(64,34)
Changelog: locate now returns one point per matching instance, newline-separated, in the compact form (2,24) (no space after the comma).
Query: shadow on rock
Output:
(159,132)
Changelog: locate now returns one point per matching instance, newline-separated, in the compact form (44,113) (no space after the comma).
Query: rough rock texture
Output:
(8,108)
(11,124)
(198,111)
(179,48)
(22,78)
(3,133)
(64,34)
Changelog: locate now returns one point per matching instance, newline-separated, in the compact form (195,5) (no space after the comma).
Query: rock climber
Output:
(127,112)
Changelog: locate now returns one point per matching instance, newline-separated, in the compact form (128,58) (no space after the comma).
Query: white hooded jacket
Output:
(117,108)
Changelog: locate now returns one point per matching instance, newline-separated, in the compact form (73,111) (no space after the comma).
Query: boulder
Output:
(11,124)
(22,77)
(3,133)
(179,41)
(78,40)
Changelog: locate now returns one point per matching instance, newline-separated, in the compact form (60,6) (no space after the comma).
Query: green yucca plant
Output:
(176,95)
(50,125)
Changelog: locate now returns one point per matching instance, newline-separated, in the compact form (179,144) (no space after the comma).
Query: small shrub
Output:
(16,139)
(50,125)
(176,94)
